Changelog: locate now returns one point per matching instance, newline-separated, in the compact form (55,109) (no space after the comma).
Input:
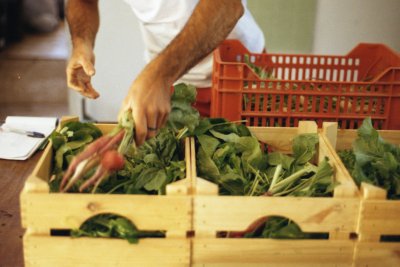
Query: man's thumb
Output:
(88,68)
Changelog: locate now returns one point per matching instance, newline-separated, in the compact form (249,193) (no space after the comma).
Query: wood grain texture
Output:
(377,254)
(336,215)
(12,178)
(236,213)
(267,252)
(42,211)
(378,215)
(67,252)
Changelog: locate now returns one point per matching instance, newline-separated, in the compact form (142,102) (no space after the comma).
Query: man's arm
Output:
(83,21)
(149,96)
(209,24)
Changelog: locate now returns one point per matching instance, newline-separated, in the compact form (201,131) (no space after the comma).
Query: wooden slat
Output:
(346,137)
(380,216)
(37,181)
(42,251)
(377,216)
(278,138)
(267,252)
(236,213)
(147,212)
(373,254)
(329,129)
(347,186)
(42,211)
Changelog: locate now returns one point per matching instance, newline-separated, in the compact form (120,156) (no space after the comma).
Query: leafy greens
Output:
(373,160)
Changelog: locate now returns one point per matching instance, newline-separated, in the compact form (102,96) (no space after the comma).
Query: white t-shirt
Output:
(161,20)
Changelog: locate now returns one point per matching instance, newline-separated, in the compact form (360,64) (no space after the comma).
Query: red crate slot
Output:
(345,89)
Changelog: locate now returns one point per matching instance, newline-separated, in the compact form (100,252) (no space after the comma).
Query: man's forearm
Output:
(83,21)
(209,24)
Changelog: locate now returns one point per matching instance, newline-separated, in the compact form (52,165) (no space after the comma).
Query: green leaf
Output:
(231,137)
(376,161)
(144,177)
(57,139)
(276,158)
(223,153)
(251,151)
(208,143)
(157,182)
(108,225)
(233,183)
(68,147)
(184,92)
(88,128)
(206,166)
(152,159)
(206,124)
(304,147)
(182,113)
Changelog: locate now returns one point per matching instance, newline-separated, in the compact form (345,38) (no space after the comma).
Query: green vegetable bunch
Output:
(373,160)
(228,155)
(147,169)
(231,157)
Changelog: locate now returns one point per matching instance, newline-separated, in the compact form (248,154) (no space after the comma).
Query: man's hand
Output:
(80,70)
(149,100)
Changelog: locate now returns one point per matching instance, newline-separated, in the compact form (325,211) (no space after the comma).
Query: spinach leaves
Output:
(113,226)
(373,160)
(228,155)
(231,157)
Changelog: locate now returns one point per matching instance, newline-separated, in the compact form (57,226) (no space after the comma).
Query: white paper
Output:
(17,146)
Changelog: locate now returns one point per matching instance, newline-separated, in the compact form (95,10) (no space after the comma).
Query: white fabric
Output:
(161,20)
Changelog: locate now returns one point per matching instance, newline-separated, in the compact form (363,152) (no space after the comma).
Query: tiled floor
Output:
(32,76)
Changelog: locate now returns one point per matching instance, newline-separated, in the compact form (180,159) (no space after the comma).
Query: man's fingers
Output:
(161,120)
(86,89)
(79,81)
(140,126)
(152,127)
(88,68)
(91,91)
(74,84)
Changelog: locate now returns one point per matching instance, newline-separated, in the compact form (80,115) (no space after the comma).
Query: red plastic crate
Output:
(346,89)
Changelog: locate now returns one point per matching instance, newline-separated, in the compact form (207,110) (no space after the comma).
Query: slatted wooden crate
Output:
(42,211)
(378,216)
(336,215)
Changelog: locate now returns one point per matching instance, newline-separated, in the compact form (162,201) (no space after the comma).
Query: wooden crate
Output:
(378,216)
(42,211)
(336,216)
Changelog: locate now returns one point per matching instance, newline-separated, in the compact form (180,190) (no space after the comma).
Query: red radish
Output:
(88,152)
(98,148)
(112,161)
(116,139)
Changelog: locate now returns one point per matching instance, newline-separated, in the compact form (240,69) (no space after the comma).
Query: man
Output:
(178,35)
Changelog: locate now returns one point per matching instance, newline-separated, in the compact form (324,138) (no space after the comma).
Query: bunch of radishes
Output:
(106,155)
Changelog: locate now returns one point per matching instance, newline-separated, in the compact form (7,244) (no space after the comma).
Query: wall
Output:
(119,58)
(288,25)
(342,24)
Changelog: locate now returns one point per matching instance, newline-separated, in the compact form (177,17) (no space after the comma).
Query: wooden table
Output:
(13,175)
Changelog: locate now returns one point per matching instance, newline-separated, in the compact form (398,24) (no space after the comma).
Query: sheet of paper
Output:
(17,146)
